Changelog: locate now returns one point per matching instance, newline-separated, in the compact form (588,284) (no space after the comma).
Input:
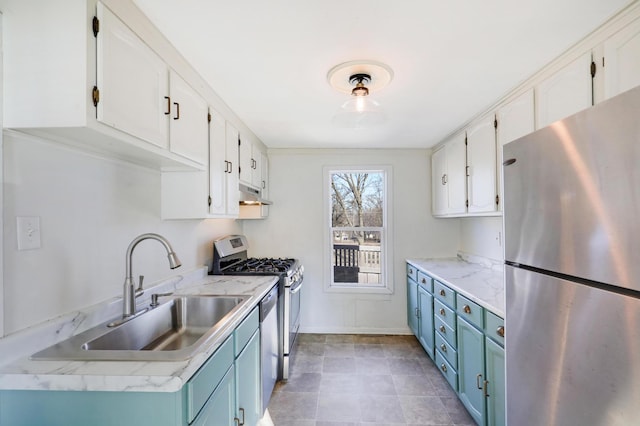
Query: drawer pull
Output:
(443,367)
(442,312)
(442,329)
(410,271)
(500,331)
(424,281)
(443,347)
(467,309)
(442,292)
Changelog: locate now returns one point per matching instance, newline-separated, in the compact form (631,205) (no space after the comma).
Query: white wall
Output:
(295,229)
(90,209)
(482,236)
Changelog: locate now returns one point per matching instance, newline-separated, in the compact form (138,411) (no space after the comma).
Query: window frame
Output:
(386,245)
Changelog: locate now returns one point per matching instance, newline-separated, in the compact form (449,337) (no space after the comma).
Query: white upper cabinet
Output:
(133,82)
(232,194)
(481,166)
(515,119)
(187,113)
(250,163)
(565,92)
(439,189)
(206,194)
(622,60)
(448,177)
(89,81)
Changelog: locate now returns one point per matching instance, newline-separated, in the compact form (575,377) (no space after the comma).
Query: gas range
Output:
(230,258)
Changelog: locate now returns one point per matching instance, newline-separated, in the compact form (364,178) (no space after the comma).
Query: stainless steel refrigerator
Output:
(572,254)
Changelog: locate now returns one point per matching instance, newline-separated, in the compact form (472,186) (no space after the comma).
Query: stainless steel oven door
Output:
(291,322)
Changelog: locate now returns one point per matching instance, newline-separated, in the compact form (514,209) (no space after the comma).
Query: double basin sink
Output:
(171,331)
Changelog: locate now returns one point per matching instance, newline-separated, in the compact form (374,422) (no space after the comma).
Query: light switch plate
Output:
(28,232)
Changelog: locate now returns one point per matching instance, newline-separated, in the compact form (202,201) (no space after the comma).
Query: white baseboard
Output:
(354,330)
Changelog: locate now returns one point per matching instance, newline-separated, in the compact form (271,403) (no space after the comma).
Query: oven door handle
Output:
(296,288)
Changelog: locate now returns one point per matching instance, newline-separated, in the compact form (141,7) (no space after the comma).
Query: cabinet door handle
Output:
(410,271)
(478,379)
(444,179)
(236,421)
(467,171)
(417,313)
(443,293)
(424,281)
(230,166)
(442,312)
(177,117)
(442,329)
(168,111)
(443,367)
(443,347)
(242,411)
(264,185)
(467,309)
(500,331)
(486,389)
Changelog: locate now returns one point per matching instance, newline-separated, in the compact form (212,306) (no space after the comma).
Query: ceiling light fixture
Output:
(358,78)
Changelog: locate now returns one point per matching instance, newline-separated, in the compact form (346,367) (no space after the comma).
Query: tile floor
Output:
(349,380)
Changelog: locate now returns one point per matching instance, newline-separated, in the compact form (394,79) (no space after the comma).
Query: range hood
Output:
(251,196)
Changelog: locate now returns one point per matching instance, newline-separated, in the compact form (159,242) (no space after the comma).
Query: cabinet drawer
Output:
(206,379)
(447,370)
(245,330)
(446,350)
(425,281)
(412,272)
(445,331)
(494,327)
(470,311)
(444,293)
(445,313)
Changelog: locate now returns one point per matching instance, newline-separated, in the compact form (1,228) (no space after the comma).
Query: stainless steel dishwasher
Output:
(269,344)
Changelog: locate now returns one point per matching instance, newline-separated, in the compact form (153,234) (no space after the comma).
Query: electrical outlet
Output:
(28,232)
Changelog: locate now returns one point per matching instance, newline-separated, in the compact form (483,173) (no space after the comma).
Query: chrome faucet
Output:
(130,294)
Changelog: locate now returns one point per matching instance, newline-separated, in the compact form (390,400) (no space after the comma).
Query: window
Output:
(358,228)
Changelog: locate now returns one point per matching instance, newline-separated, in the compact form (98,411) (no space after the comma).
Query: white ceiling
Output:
(451,58)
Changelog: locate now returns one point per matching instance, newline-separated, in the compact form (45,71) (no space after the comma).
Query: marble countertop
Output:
(481,282)
(138,376)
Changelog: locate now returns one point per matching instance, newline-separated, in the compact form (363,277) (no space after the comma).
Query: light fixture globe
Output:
(358,78)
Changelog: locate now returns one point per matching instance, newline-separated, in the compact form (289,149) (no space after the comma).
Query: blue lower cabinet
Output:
(425,320)
(412,306)
(495,371)
(471,369)
(220,408)
(248,386)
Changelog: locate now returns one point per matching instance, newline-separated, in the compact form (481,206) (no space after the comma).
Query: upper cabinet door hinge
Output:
(209,200)
(495,122)
(208,117)
(497,200)
(467,203)
(96,26)
(593,69)
(95,94)
(465,140)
